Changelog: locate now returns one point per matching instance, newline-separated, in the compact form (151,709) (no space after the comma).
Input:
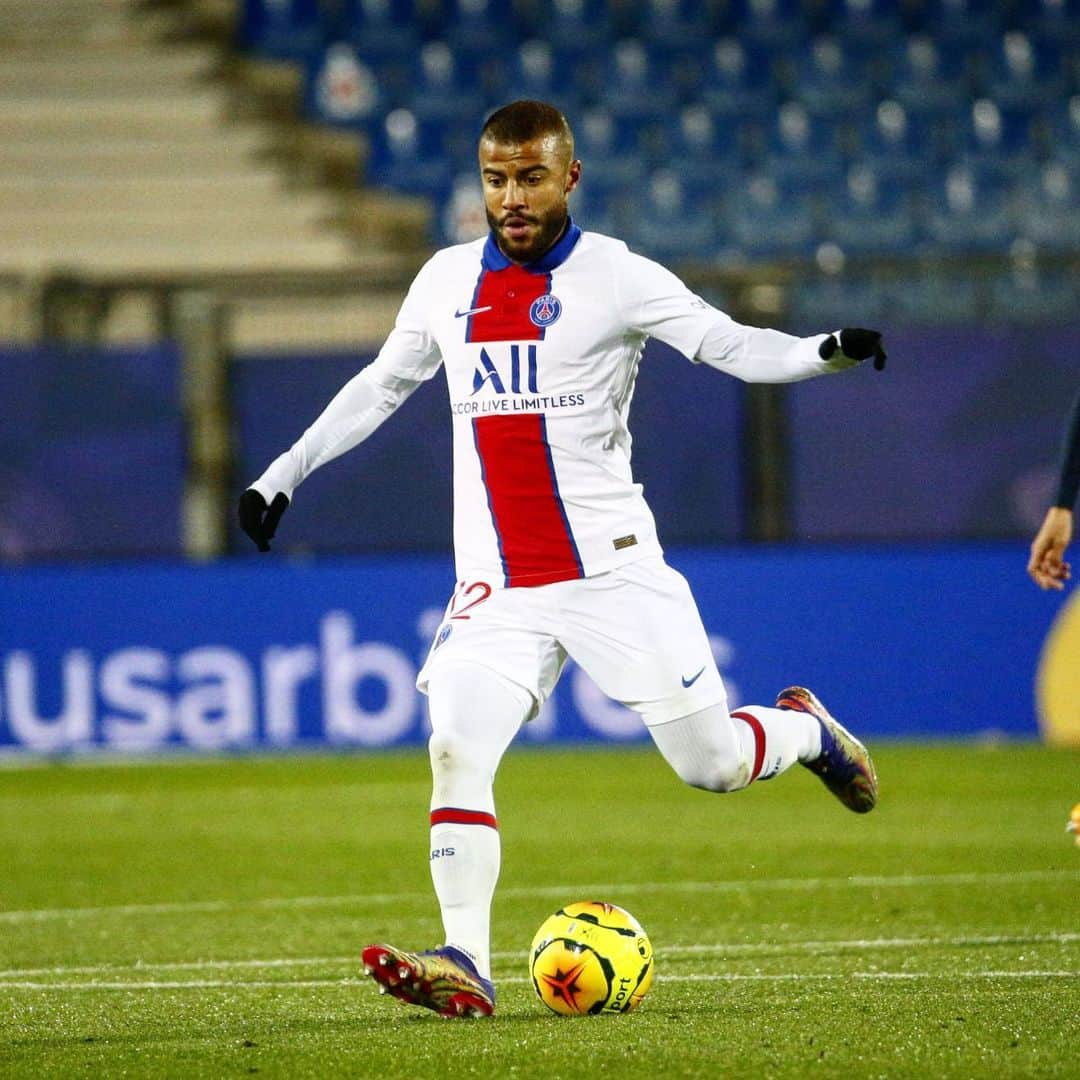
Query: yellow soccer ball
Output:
(591,958)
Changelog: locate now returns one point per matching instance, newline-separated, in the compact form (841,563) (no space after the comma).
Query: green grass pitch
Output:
(204,918)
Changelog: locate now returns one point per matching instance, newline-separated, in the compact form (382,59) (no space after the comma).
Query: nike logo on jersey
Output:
(693,678)
(471,311)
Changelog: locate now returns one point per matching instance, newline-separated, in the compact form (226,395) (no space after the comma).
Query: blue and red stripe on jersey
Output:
(536,543)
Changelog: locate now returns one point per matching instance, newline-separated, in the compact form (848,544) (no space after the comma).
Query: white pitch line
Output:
(899,881)
(518,980)
(716,949)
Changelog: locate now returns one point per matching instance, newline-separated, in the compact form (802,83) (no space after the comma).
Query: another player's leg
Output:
(475,714)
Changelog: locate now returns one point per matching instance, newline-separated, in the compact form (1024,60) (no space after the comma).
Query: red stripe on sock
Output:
(451,815)
(759,741)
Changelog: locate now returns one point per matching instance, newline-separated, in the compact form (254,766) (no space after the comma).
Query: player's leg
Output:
(721,751)
(638,633)
(475,713)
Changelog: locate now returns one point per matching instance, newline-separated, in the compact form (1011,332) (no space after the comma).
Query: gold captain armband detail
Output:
(624,542)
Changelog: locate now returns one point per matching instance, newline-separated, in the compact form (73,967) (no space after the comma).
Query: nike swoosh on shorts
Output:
(693,678)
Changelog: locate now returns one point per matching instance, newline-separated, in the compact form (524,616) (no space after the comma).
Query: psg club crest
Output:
(545,310)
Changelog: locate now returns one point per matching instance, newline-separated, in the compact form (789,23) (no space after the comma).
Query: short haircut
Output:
(523,121)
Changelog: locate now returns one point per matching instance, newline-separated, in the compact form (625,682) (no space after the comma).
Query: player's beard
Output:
(551,229)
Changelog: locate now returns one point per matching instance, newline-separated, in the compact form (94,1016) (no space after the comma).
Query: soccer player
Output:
(1047,565)
(541,327)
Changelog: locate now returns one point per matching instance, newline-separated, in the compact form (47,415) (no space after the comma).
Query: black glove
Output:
(856,343)
(257,519)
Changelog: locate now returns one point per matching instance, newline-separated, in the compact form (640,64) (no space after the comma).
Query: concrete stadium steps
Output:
(185,256)
(236,152)
(248,193)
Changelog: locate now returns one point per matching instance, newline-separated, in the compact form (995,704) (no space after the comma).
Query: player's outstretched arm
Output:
(852,346)
(1047,565)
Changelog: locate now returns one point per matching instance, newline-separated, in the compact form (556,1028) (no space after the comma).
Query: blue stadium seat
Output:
(577,29)
(706,154)
(831,79)
(1065,129)
(663,225)
(966,217)
(765,223)
(928,80)
(776,26)
(869,25)
(634,91)
(407,157)
(383,32)
(963,24)
(803,151)
(894,145)
(675,25)
(1049,211)
(838,301)
(340,90)
(441,91)
(737,82)
(1020,76)
(608,167)
(1053,22)
(535,72)
(996,147)
(281,29)
(476,29)
(869,215)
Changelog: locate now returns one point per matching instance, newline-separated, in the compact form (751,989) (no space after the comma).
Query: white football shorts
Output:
(635,630)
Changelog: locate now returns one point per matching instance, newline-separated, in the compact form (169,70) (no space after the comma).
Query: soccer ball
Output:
(591,958)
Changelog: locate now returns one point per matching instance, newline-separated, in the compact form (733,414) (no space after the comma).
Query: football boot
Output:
(844,764)
(444,980)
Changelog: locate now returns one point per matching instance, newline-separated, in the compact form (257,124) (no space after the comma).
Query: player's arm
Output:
(1046,564)
(657,304)
(409,357)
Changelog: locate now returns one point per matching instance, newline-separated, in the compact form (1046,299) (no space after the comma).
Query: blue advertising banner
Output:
(76,425)
(269,653)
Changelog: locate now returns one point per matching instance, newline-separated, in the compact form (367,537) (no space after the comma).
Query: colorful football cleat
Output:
(844,764)
(444,980)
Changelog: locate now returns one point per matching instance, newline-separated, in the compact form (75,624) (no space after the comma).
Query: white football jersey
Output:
(540,364)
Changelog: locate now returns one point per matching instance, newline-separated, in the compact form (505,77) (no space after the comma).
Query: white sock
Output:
(465,863)
(475,713)
(774,739)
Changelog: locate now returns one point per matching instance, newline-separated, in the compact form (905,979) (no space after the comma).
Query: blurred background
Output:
(210,210)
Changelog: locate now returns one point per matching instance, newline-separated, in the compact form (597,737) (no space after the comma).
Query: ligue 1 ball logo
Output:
(545,310)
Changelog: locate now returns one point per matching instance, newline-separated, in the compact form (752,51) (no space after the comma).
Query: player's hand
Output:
(257,519)
(855,346)
(1047,565)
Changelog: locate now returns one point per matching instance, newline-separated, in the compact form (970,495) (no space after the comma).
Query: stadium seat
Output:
(341,90)
(737,83)
(664,226)
(535,72)
(928,80)
(869,215)
(608,166)
(675,26)
(705,153)
(831,79)
(764,223)
(442,89)
(1049,211)
(382,31)
(1018,76)
(409,157)
(894,145)
(966,217)
(634,92)
(281,29)
(995,147)
(802,150)
(867,25)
